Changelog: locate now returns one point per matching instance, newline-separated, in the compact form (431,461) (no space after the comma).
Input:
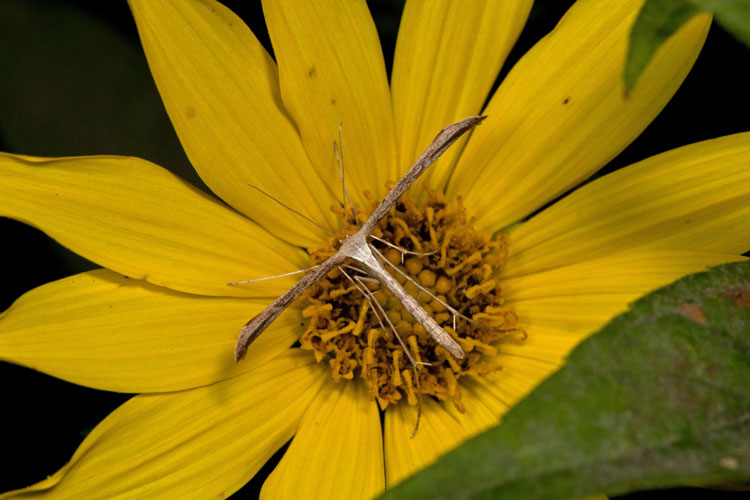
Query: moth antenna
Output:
(308,219)
(272,277)
(340,163)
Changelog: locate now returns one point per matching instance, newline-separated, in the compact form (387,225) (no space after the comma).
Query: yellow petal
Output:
(630,272)
(200,443)
(138,219)
(483,408)
(441,428)
(561,113)
(109,332)
(448,55)
(696,197)
(518,377)
(337,452)
(576,316)
(332,73)
(221,90)
(560,307)
(438,432)
(547,342)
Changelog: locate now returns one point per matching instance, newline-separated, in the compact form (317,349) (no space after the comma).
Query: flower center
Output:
(439,259)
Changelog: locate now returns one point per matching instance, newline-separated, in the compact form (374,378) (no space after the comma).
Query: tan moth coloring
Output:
(357,248)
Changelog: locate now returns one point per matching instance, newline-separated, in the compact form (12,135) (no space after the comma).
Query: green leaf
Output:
(657,20)
(660,18)
(659,397)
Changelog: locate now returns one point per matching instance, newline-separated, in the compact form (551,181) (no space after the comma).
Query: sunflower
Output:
(160,318)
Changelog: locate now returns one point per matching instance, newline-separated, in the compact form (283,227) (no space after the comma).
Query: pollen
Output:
(365,334)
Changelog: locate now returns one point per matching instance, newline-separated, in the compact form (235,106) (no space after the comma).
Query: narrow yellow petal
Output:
(109,332)
(337,452)
(483,408)
(138,219)
(201,443)
(546,341)
(448,55)
(518,377)
(584,313)
(696,197)
(221,90)
(332,74)
(438,432)
(560,307)
(628,272)
(561,113)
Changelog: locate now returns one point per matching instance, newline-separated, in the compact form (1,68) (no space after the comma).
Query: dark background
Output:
(74,81)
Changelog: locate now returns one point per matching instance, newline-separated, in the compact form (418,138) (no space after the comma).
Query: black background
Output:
(74,81)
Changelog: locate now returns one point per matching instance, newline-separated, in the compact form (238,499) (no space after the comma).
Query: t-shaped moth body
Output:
(357,248)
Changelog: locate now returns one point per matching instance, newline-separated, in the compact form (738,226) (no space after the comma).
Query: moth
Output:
(357,248)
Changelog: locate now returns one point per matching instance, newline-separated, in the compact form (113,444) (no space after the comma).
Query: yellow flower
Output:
(160,319)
